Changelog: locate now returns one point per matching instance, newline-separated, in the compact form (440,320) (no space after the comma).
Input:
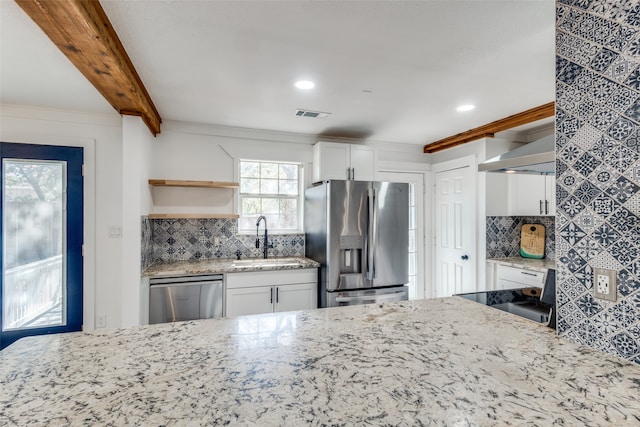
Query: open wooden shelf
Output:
(179,216)
(186,183)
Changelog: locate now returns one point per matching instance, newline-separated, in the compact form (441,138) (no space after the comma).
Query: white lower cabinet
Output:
(271,291)
(506,277)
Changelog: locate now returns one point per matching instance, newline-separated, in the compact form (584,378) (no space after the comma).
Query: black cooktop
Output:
(523,302)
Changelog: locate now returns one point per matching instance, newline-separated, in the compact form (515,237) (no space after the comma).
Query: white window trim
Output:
(238,198)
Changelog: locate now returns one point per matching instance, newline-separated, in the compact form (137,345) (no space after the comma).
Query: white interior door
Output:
(416,228)
(455,232)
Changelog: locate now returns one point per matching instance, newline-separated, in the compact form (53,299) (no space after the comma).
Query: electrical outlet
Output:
(216,241)
(115,231)
(604,286)
(101,321)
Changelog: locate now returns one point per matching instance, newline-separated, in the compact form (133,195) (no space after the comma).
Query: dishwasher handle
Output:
(181,285)
(185,280)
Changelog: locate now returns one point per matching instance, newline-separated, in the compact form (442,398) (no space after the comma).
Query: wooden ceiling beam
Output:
(489,130)
(83,32)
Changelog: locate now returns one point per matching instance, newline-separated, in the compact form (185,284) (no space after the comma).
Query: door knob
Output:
(465,257)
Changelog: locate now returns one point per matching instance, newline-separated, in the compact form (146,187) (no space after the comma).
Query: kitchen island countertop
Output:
(432,362)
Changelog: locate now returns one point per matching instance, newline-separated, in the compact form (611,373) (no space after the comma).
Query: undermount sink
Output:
(269,262)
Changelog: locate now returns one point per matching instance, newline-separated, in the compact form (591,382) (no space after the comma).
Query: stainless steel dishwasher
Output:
(173,299)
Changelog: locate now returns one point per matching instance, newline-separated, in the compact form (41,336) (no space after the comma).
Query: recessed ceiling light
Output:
(467,107)
(304,84)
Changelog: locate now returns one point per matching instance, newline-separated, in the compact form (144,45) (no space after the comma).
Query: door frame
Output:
(448,165)
(421,260)
(427,171)
(89,212)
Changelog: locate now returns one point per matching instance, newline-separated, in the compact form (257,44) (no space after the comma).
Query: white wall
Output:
(136,202)
(101,136)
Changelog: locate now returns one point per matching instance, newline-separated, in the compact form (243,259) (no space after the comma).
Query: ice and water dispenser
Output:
(351,248)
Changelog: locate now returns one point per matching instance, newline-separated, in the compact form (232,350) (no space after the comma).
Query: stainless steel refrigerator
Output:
(359,232)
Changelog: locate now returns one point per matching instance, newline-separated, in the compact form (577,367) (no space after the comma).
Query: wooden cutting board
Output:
(532,241)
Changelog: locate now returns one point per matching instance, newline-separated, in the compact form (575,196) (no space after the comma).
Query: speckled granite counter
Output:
(431,362)
(531,263)
(228,266)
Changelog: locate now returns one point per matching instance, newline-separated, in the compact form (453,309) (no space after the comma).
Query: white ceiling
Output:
(386,70)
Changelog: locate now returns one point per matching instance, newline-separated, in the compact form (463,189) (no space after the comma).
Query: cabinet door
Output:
(363,162)
(529,195)
(244,301)
(330,161)
(550,194)
(296,297)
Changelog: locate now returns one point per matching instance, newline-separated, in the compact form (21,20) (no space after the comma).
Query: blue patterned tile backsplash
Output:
(503,235)
(598,171)
(146,258)
(202,239)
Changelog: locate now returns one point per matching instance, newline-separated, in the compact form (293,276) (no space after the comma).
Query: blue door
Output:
(41,212)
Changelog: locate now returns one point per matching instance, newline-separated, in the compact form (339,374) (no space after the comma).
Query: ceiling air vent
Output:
(311,114)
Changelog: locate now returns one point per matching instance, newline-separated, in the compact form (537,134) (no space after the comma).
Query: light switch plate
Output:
(604,284)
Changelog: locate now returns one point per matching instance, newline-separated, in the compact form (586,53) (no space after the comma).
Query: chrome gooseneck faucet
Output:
(266,236)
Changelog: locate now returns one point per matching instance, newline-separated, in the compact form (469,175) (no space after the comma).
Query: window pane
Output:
(250,205)
(269,170)
(246,222)
(289,187)
(248,185)
(412,194)
(249,170)
(33,230)
(288,171)
(269,186)
(412,240)
(262,187)
(288,206)
(289,222)
(270,206)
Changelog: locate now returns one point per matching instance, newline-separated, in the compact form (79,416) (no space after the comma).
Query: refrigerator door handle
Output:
(369,299)
(371,234)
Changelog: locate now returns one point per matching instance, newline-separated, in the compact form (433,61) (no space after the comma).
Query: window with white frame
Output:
(271,189)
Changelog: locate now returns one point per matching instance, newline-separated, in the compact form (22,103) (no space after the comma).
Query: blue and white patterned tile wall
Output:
(503,235)
(146,258)
(195,239)
(598,170)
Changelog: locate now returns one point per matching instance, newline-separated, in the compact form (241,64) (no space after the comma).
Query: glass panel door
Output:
(34,208)
(42,226)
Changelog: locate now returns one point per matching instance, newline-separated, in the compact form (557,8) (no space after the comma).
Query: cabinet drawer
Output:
(520,275)
(270,278)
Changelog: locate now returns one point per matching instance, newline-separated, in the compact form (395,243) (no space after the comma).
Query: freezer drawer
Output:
(175,299)
(367,296)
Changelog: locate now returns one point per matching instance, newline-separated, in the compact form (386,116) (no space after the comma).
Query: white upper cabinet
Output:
(332,160)
(521,195)
(550,194)
(533,195)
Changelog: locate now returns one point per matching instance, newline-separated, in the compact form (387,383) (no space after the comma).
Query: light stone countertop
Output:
(441,362)
(531,263)
(183,268)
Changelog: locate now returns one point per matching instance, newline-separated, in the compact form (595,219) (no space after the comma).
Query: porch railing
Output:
(31,290)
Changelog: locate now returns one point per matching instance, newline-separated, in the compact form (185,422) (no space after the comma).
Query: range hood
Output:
(537,157)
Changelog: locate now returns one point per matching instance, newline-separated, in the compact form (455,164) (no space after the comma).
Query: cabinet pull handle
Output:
(277,295)
(541,211)
(528,274)
(353,174)
(271,293)
(546,207)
